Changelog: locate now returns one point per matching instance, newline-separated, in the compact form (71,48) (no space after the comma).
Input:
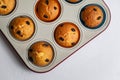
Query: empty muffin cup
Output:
(22,28)
(67,34)
(92,16)
(41,53)
(48,10)
(7,6)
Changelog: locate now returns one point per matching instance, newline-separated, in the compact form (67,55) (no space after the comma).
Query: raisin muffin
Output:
(22,28)
(48,10)
(67,34)
(41,53)
(7,6)
(92,16)
(73,1)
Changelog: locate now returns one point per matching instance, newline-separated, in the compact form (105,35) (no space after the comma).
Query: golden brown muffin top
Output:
(22,28)
(92,16)
(41,53)
(7,6)
(48,10)
(67,34)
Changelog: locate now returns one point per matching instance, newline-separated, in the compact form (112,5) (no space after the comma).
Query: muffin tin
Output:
(44,31)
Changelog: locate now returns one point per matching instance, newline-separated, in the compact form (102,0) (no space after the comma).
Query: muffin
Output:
(7,6)
(92,16)
(22,28)
(67,34)
(48,10)
(41,53)
(73,1)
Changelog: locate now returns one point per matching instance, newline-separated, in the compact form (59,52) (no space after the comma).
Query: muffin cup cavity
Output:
(22,28)
(92,16)
(48,10)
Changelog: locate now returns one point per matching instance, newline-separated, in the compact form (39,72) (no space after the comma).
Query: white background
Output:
(98,60)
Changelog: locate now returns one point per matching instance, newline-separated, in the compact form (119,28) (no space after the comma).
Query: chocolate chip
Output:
(4,6)
(55,8)
(99,18)
(73,29)
(94,9)
(30,50)
(27,22)
(45,16)
(45,45)
(31,59)
(46,60)
(18,32)
(62,39)
(47,2)
(73,43)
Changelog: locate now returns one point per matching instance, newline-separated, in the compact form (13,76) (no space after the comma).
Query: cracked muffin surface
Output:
(48,10)
(22,28)
(41,53)
(7,6)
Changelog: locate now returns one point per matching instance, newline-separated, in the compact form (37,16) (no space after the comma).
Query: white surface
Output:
(98,60)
